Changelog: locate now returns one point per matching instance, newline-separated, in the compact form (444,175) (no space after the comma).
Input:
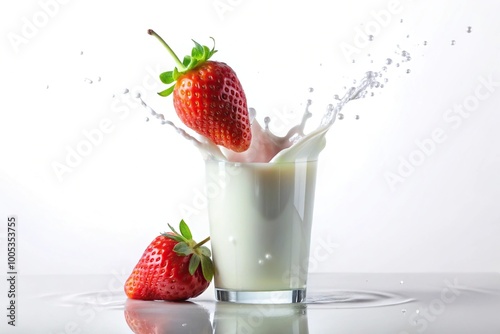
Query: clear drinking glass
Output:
(260,228)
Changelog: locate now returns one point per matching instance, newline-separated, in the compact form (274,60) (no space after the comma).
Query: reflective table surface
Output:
(336,303)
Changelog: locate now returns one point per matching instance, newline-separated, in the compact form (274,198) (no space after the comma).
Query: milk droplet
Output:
(357,117)
(311,89)
(87,80)
(268,257)
(47,87)
(417,311)
(408,71)
(341,116)
(146,119)
(81,53)
(402,282)
(453,42)
(425,42)
(370,38)
(469,29)
(267,120)
(261,261)
(231,240)
(99,79)
(403,311)
(388,61)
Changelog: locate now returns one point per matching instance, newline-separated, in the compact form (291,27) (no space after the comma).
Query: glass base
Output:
(261,297)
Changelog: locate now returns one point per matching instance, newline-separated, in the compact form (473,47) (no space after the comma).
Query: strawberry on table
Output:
(208,97)
(170,268)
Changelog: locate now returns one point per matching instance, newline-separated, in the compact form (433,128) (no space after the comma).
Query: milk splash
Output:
(295,145)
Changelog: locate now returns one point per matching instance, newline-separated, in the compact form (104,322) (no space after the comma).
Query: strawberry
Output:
(170,268)
(208,97)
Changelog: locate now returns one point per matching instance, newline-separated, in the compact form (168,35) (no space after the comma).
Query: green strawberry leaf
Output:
(174,237)
(197,51)
(185,231)
(167,91)
(194,262)
(207,267)
(183,248)
(205,251)
(167,77)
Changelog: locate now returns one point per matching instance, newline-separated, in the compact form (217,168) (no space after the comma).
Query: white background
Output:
(388,199)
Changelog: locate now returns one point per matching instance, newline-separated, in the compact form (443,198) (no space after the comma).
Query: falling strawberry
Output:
(208,97)
(170,268)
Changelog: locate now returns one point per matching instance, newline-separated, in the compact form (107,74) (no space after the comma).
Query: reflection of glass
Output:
(260,226)
(263,318)
(164,317)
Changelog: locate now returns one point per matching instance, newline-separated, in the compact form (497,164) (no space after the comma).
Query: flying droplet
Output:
(370,38)
(425,42)
(408,71)
(469,29)
(267,120)
(146,119)
(268,256)
(388,61)
(87,80)
(311,89)
(341,116)
(357,117)
(453,42)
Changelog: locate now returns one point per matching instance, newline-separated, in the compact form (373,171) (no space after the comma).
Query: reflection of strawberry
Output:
(170,268)
(164,317)
(209,98)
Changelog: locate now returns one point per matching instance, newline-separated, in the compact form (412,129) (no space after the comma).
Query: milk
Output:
(260,224)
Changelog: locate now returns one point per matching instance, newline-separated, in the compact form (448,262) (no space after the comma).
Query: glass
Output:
(260,218)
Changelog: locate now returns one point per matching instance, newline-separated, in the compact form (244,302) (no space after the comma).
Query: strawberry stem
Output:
(201,243)
(172,53)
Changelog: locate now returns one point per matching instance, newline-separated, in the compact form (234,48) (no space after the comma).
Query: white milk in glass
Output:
(260,224)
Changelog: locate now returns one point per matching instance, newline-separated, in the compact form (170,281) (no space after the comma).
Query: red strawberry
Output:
(208,97)
(170,268)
